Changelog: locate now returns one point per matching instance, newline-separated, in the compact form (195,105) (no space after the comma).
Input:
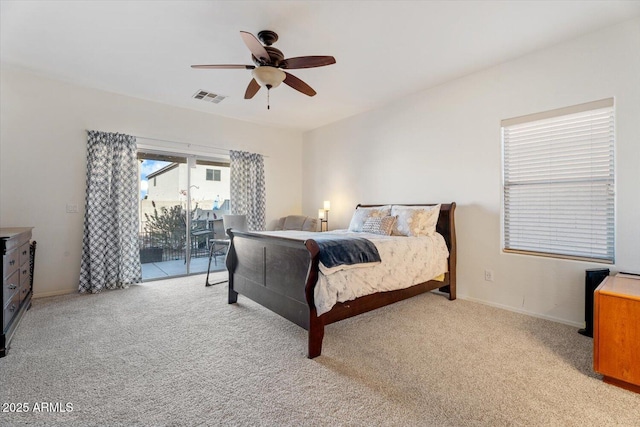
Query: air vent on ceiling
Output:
(208,96)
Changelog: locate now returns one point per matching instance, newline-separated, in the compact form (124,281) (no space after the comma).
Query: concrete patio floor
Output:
(161,270)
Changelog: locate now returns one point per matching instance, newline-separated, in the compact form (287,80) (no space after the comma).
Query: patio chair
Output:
(219,245)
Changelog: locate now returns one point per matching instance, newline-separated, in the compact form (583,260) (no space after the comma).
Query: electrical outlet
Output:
(488,275)
(72,208)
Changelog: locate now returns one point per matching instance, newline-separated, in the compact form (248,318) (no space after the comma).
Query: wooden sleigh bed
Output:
(280,274)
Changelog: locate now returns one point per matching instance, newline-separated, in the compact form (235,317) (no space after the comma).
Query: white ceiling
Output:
(384,49)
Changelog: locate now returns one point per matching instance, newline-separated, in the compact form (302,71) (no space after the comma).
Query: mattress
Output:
(405,261)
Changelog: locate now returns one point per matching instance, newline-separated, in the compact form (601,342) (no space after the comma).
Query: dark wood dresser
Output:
(18,254)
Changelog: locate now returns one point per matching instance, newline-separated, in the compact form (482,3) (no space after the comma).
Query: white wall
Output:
(167,185)
(43,159)
(208,189)
(443,145)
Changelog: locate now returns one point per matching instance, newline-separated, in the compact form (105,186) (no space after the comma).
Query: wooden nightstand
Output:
(616,332)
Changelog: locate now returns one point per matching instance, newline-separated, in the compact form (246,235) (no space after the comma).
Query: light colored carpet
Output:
(175,353)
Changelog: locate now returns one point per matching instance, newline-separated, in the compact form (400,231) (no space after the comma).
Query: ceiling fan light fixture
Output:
(268,77)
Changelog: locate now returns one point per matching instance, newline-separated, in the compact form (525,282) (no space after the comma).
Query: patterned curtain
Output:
(110,255)
(247,188)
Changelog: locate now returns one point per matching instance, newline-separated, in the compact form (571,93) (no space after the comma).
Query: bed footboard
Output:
(279,274)
(274,272)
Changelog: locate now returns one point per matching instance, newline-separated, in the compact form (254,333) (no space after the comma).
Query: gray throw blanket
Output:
(345,250)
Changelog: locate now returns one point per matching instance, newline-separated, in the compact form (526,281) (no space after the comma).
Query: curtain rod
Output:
(187,144)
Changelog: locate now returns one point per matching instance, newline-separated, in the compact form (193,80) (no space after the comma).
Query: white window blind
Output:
(558,183)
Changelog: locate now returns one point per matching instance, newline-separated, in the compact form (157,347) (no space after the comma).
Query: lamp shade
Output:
(269,77)
(327,205)
(321,213)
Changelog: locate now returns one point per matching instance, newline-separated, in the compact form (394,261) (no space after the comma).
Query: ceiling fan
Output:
(269,65)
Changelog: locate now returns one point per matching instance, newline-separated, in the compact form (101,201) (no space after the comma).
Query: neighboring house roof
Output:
(163,170)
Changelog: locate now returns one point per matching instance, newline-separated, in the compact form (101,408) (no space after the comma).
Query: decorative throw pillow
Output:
(379,225)
(361,214)
(415,221)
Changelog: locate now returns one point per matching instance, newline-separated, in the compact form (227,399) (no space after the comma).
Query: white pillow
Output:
(415,220)
(361,214)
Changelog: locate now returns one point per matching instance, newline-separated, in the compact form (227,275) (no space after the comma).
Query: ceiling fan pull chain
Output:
(268,92)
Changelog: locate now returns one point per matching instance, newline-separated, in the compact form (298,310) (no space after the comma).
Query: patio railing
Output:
(156,247)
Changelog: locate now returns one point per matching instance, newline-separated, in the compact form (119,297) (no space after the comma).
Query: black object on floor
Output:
(593,278)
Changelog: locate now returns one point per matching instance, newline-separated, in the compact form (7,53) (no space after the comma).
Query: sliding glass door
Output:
(181,197)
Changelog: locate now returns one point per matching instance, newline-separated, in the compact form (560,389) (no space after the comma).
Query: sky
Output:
(147,167)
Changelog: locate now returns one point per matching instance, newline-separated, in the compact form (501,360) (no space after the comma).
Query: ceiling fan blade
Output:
(255,47)
(252,89)
(298,84)
(307,62)
(225,67)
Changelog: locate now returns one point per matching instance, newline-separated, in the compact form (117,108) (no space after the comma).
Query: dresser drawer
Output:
(24,291)
(16,237)
(10,287)
(25,281)
(11,310)
(10,263)
(25,273)
(24,254)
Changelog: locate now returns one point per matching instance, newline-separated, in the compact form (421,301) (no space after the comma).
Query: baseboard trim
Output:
(528,313)
(53,293)
(464,297)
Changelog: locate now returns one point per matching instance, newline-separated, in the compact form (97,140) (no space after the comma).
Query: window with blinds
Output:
(558,183)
